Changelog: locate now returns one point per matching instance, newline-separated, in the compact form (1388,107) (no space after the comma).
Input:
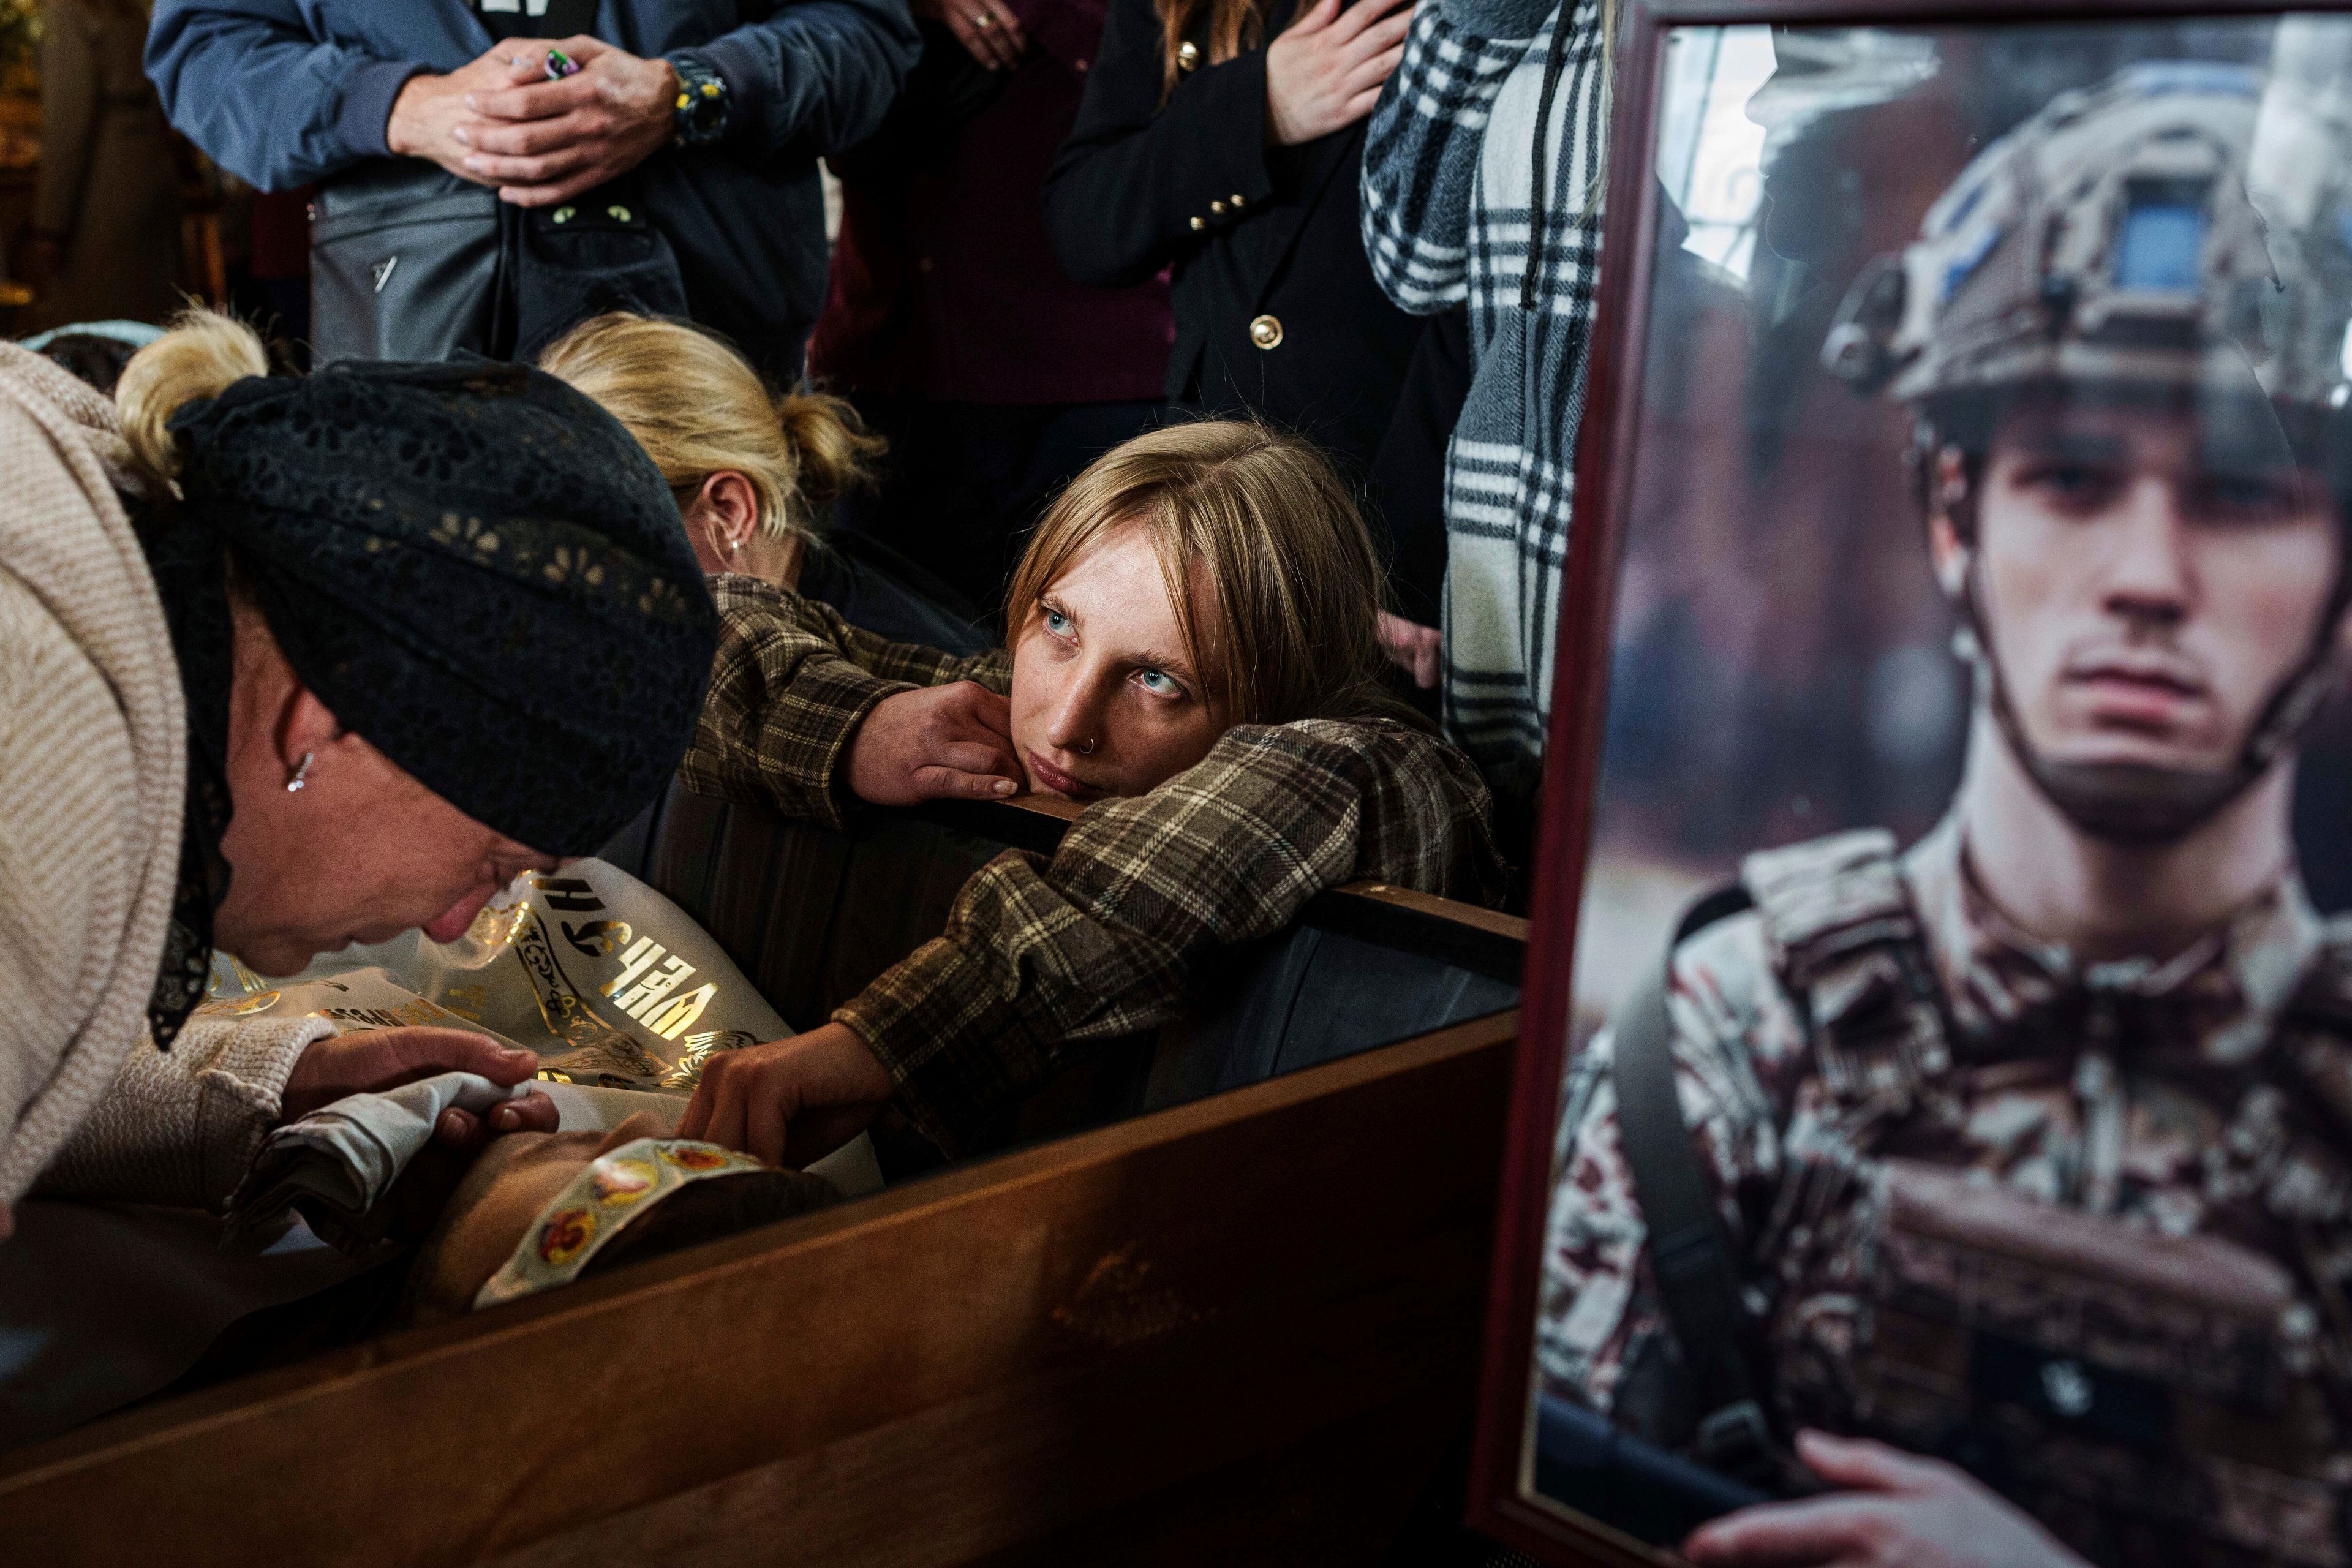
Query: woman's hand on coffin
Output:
(789,1102)
(937,743)
(1897,1511)
(369,1062)
(1412,646)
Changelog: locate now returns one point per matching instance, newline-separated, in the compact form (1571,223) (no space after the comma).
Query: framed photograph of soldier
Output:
(1932,1137)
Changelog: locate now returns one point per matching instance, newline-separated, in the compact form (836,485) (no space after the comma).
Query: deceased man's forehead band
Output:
(611,1194)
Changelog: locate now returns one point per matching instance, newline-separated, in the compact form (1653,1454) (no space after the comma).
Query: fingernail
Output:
(1003,786)
(514,1053)
(505,1116)
(449,1125)
(470,104)
(458,135)
(474,162)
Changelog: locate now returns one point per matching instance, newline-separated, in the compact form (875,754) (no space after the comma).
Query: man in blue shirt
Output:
(723,117)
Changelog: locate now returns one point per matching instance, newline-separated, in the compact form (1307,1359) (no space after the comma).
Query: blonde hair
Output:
(1296,579)
(203,355)
(698,409)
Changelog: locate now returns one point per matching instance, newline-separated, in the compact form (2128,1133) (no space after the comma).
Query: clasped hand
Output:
(500,121)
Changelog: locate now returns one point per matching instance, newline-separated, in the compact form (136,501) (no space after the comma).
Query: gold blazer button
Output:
(1188,56)
(1267,332)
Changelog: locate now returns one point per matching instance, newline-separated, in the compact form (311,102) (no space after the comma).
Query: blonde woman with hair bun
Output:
(755,474)
(1193,664)
(245,705)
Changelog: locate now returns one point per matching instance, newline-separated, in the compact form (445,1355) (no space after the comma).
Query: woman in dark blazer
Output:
(1202,145)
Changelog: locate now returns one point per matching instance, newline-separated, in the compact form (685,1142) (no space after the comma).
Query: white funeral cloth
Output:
(614,987)
(337,1164)
(338,1161)
(610,983)
(619,992)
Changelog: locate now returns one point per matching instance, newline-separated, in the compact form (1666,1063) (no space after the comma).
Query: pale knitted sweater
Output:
(93,737)
(182,1126)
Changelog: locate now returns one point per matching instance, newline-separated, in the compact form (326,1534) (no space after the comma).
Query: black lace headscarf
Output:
(473,566)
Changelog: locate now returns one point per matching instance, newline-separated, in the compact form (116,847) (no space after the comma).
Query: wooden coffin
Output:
(1241,1328)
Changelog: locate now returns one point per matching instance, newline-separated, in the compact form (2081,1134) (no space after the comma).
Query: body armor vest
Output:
(2150,1398)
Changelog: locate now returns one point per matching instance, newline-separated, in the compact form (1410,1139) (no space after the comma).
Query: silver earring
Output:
(301,772)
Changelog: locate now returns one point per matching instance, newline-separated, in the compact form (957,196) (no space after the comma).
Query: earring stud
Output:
(302,772)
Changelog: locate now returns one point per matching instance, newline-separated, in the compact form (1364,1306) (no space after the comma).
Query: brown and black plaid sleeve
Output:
(791,684)
(1098,942)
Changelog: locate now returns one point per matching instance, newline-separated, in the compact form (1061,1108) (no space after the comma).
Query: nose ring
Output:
(1088,750)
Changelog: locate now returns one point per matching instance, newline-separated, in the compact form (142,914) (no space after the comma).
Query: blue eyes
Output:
(1160,683)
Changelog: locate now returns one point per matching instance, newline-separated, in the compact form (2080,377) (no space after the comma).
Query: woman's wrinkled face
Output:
(362,852)
(1104,699)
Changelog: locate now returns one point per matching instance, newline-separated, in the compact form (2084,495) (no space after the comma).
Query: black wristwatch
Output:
(702,102)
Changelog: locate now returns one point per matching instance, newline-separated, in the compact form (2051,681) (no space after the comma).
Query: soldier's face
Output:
(2147,585)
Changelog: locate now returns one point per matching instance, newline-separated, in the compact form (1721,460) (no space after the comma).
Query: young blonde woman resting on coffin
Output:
(1192,656)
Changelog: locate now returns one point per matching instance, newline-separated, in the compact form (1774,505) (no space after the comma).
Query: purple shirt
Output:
(944,285)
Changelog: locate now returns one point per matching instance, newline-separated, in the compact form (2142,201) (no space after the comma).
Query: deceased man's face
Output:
(513,1179)
(2147,582)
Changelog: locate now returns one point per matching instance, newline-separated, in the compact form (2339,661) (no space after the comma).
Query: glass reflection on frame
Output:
(1972,742)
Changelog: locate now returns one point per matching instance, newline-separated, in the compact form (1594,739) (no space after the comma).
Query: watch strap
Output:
(703,100)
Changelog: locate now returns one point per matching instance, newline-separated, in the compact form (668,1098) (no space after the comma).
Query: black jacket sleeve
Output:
(818,73)
(1129,191)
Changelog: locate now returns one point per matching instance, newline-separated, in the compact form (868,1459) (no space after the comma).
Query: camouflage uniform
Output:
(2082,1227)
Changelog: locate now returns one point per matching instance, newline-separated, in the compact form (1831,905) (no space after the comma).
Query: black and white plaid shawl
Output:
(1494,128)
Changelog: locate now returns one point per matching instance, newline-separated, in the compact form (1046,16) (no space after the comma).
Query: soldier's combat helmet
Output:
(2184,226)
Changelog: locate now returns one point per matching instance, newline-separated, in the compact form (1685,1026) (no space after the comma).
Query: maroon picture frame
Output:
(1497,1503)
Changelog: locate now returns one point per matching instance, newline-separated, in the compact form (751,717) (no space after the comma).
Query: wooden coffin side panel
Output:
(951,1368)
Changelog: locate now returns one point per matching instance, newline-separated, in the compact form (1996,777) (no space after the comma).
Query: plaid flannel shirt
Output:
(1491,130)
(791,684)
(1041,955)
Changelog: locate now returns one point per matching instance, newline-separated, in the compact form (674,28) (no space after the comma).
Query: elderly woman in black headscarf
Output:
(286,664)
